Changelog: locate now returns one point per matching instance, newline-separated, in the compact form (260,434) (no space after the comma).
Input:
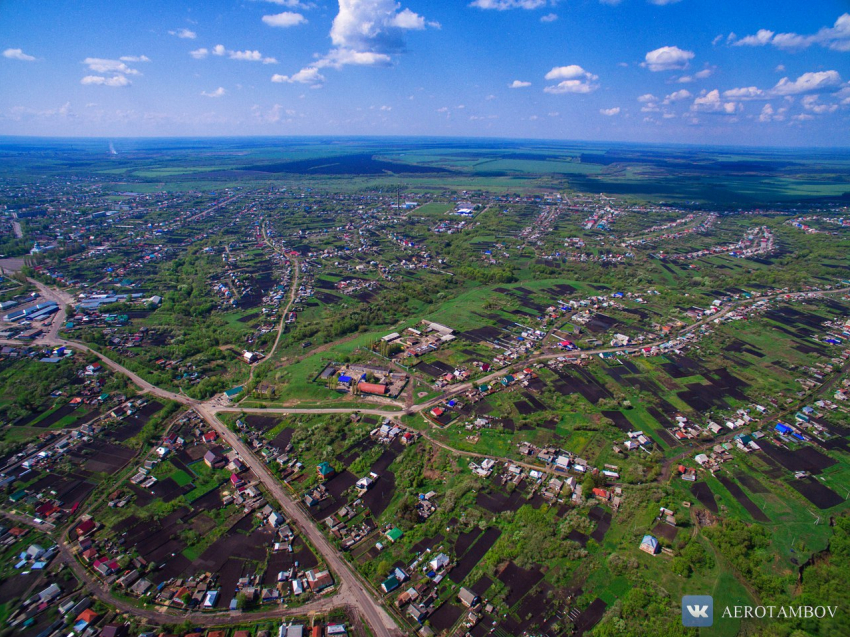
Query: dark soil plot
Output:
(534,402)
(474,555)
(619,419)
(497,501)
(248,317)
(603,518)
(384,461)
(702,492)
(261,423)
(280,561)
(600,323)
(518,581)
(445,616)
(590,617)
(662,529)
(662,420)
(429,542)
(17,585)
(167,490)
(229,575)
(481,334)
(208,501)
(523,408)
(743,500)
(128,428)
(752,484)
(281,441)
(327,298)
(578,537)
(465,540)
(817,493)
(174,567)
(56,416)
(429,370)
(508,424)
(103,457)
(355,451)
(802,459)
(378,498)
(303,555)
(79,492)
(536,384)
(481,586)
(149,410)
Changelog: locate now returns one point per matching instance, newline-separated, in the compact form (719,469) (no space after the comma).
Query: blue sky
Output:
(691,71)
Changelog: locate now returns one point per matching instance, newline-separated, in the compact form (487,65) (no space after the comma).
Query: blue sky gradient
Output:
(690,71)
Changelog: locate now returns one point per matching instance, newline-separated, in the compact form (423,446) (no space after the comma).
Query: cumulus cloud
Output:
(677,96)
(364,33)
(250,56)
(610,112)
(18,54)
(807,83)
(745,93)
(134,58)
(244,56)
(103,65)
(812,103)
(549,17)
(667,58)
(647,97)
(285,19)
(216,93)
(504,5)
(519,84)
(574,79)
(761,37)
(186,34)
(99,80)
(309,75)
(836,37)
(711,103)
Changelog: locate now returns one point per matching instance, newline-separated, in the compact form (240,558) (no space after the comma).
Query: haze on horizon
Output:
(666,71)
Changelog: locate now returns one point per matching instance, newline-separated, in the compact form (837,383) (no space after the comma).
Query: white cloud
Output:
(745,93)
(309,75)
(647,97)
(519,84)
(761,38)
(711,103)
(661,3)
(216,93)
(115,81)
(504,5)
(549,17)
(677,96)
(134,58)
(18,54)
(836,37)
(219,49)
(291,4)
(812,103)
(102,65)
(186,34)
(199,54)
(364,33)
(250,56)
(285,19)
(780,68)
(610,112)
(574,80)
(807,83)
(668,58)
(571,72)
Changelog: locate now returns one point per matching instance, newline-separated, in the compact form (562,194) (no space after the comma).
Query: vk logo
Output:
(697,610)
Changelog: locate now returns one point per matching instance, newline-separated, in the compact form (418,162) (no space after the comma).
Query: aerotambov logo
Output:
(697,610)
